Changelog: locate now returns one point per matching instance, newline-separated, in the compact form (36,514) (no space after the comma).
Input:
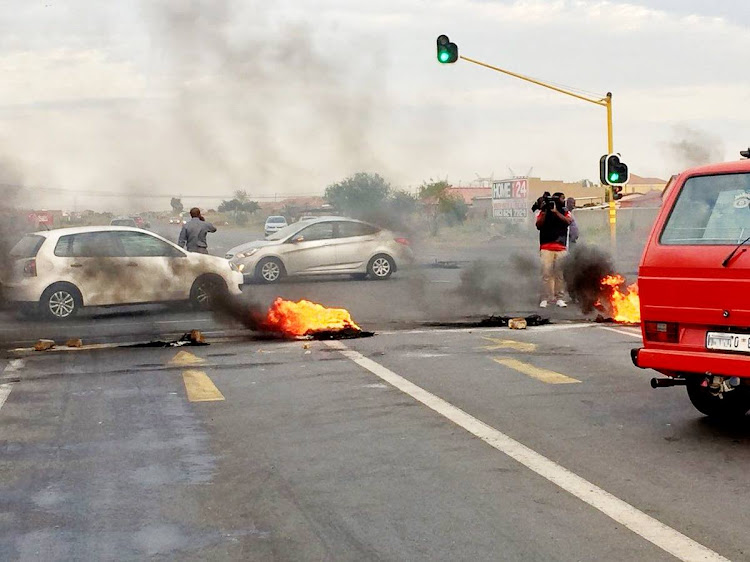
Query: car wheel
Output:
(269,270)
(381,267)
(206,289)
(733,405)
(61,301)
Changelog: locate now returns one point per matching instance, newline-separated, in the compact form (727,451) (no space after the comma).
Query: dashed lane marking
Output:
(651,529)
(185,358)
(200,388)
(498,343)
(544,375)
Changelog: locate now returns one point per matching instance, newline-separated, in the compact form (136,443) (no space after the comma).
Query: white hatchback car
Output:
(274,224)
(324,246)
(62,270)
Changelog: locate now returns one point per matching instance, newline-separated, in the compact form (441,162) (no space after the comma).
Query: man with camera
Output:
(552,222)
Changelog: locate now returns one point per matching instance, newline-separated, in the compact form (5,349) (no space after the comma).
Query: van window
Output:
(710,210)
(28,246)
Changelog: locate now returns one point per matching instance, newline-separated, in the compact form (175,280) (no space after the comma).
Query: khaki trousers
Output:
(553,285)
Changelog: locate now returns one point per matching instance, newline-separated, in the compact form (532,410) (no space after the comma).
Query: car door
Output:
(157,270)
(355,243)
(311,250)
(95,263)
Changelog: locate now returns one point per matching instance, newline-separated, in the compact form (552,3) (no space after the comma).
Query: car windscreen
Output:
(28,246)
(123,222)
(284,232)
(710,210)
(276,220)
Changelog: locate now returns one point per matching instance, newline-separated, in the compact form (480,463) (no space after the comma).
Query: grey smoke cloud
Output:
(693,147)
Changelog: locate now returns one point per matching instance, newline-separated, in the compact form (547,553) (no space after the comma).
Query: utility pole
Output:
(448,53)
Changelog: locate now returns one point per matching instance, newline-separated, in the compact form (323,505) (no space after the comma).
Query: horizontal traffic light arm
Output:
(602,102)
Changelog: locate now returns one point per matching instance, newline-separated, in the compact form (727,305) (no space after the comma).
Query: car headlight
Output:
(246,254)
(233,266)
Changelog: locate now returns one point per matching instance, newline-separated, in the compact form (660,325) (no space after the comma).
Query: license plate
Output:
(728,342)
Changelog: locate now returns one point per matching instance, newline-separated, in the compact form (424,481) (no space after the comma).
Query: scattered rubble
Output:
(44,345)
(517,324)
(193,337)
(76,342)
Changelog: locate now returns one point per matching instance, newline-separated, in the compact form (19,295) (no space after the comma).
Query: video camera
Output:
(547,202)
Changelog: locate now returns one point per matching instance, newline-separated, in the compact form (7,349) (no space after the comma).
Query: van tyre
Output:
(269,270)
(206,290)
(60,302)
(381,267)
(733,406)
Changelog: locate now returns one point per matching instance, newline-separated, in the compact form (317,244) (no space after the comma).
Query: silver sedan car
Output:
(323,246)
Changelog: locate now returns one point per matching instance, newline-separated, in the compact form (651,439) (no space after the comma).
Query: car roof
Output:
(721,168)
(81,229)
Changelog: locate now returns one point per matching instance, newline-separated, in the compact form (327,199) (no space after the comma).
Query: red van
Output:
(694,286)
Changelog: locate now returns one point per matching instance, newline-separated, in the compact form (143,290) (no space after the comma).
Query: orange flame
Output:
(624,307)
(305,317)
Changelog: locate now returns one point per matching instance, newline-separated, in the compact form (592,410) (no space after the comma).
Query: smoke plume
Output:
(692,147)
(583,270)
(500,285)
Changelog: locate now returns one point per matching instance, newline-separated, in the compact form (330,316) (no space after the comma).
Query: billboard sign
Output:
(510,200)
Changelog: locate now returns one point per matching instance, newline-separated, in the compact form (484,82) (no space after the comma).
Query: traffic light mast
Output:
(606,102)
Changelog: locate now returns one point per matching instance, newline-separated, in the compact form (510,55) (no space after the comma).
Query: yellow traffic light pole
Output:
(605,102)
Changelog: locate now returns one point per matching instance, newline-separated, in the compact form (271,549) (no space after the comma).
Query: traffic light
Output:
(613,171)
(446,51)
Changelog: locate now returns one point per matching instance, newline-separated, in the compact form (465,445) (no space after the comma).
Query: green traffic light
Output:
(444,56)
(614,176)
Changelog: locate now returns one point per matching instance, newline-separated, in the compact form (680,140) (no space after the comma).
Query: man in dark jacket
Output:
(193,233)
(552,222)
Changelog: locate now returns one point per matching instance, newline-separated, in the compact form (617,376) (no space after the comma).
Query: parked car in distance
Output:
(60,271)
(693,282)
(323,246)
(175,220)
(124,221)
(274,224)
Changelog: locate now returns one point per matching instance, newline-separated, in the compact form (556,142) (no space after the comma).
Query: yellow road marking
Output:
(200,388)
(509,344)
(550,377)
(184,358)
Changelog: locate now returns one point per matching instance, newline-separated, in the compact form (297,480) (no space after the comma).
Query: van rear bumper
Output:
(698,363)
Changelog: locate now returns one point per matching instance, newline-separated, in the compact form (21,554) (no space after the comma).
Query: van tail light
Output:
(665,332)
(404,241)
(29,268)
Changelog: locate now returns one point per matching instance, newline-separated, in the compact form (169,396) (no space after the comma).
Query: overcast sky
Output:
(202,97)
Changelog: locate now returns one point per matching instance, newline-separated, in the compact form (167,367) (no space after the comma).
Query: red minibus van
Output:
(694,286)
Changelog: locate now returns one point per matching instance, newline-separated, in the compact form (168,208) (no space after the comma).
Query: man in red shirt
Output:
(552,222)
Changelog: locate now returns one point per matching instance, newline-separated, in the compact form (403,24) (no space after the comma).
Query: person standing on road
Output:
(570,204)
(193,233)
(553,222)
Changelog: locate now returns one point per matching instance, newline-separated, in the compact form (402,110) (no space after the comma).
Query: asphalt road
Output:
(445,286)
(427,441)
(414,444)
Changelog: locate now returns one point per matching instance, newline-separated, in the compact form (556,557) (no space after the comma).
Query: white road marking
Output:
(622,331)
(651,529)
(4,392)
(13,366)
